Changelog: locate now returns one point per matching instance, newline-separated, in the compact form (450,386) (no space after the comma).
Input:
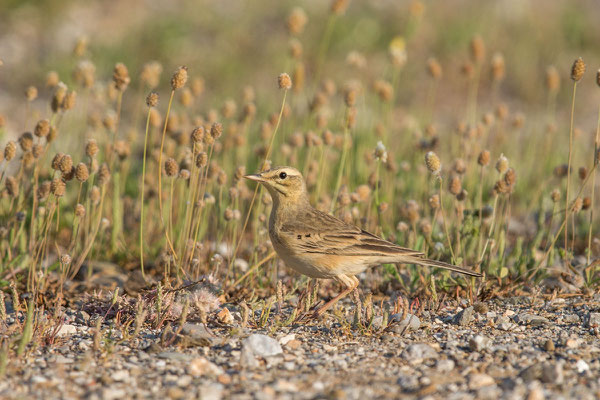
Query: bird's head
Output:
(285,184)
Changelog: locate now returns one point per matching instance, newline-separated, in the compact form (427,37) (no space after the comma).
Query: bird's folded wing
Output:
(316,232)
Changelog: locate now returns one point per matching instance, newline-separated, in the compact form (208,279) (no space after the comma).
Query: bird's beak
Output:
(255,177)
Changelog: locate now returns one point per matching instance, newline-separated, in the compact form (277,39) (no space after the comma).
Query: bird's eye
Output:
(282,175)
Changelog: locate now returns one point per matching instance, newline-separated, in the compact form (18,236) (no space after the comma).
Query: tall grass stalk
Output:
(143,192)
(569,163)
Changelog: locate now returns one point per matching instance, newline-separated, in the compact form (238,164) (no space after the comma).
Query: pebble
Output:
(479,343)
(262,345)
(480,307)
(593,320)
(546,372)
(531,319)
(549,345)
(121,375)
(464,317)
(445,365)
(477,381)
(287,338)
(225,317)
(416,353)
(199,333)
(582,366)
(408,383)
(571,319)
(201,366)
(409,323)
(66,329)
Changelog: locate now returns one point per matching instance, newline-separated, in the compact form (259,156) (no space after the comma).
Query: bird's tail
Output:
(441,264)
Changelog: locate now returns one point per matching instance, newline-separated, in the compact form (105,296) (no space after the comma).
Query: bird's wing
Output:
(313,231)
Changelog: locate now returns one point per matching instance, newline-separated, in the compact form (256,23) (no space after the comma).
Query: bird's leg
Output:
(351,283)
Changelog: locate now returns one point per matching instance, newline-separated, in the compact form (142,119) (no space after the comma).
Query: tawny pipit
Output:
(319,245)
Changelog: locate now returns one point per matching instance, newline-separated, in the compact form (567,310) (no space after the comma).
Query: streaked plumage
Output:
(320,245)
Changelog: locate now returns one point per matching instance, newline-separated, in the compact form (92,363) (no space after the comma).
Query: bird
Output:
(319,245)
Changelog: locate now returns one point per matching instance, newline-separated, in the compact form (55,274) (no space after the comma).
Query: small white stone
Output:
(67,329)
(287,338)
(121,375)
(582,366)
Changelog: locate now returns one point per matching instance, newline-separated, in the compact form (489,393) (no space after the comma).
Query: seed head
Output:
(95,194)
(501,187)
(555,195)
(52,135)
(52,79)
(31,93)
(69,101)
(577,205)
(85,73)
(510,177)
(351,117)
(380,152)
(37,150)
(65,164)
(42,128)
(150,74)
(58,187)
(350,95)
(216,130)
(12,186)
(434,202)
(10,150)
(484,158)
(103,174)
(583,172)
(184,174)
(477,49)
(198,134)
(384,90)
(121,77)
(79,210)
(552,79)
(502,164)
(339,7)
(123,149)
(171,167)
(201,159)
(433,163)
(295,48)
(296,21)
(455,185)
(81,172)
(80,46)
(179,78)
(578,70)
(498,68)
(560,171)
(26,141)
(434,68)
(91,148)
(284,81)
(56,161)
(459,166)
(152,99)
(397,52)
(186,98)
(587,203)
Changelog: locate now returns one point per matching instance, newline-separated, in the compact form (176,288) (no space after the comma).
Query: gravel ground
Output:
(511,348)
